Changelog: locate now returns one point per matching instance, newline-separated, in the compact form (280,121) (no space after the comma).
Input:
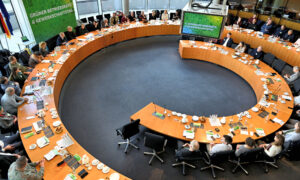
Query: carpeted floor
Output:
(108,87)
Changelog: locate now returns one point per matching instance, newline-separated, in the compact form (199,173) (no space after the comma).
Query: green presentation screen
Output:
(49,17)
(205,25)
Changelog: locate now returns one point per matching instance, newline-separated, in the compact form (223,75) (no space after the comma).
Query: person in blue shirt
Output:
(289,36)
(280,31)
(61,39)
(257,53)
(267,27)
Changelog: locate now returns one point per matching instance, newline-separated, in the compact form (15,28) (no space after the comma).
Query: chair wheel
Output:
(150,164)
(266,170)
(233,171)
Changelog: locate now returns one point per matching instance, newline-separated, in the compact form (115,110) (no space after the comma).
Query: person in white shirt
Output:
(293,77)
(225,145)
(241,47)
(275,147)
(297,43)
(165,16)
(291,135)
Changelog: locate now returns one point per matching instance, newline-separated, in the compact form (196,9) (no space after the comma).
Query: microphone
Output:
(154,107)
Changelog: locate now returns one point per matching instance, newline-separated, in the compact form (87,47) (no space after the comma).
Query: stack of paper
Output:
(279,121)
(286,97)
(260,131)
(209,135)
(65,142)
(189,134)
(43,141)
(50,155)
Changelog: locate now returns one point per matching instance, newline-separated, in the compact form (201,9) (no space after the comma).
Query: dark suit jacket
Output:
(253,26)
(70,35)
(82,31)
(257,55)
(229,43)
(279,32)
(60,41)
(93,28)
(289,38)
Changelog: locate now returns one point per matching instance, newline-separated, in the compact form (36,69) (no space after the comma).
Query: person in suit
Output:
(267,27)
(114,20)
(257,53)
(227,41)
(280,31)
(35,59)
(131,16)
(297,43)
(105,23)
(43,48)
(12,144)
(8,121)
(253,25)
(61,39)
(187,149)
(70,33)
(165,16)
(5,83)
(6,159)
(83,30)
(289,36)
(142,16)
(241,48)
(153,15)
(96,26)
(291,78)
(177,15)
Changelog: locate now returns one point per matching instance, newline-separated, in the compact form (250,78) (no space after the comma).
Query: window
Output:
(158,4)
(87,8)
(111,5)
(137,4)
(11,44)
(178,4)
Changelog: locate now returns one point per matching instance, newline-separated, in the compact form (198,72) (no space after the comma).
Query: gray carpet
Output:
(109,86)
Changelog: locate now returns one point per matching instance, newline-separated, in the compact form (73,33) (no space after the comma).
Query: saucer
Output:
(95,162)
(32,146)
(105,169)
(114,176)
(254,109)
(56,123)
(100,166)
(195,118)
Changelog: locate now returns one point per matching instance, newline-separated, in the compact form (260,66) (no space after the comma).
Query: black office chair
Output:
(24,57)
(187,160)
(127,131)
(107,16)
(89,27)
(233,45)
(216,158)
(246,158)
(99,18)
(157,143)
(269,161)
(288,69)
(138,13)
(172,15)
(292,150)
(268,59)
(7,69)
(91,19)
(83,20)
(278,65)
(35,48)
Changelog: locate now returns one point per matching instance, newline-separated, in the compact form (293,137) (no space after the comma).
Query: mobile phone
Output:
(81,172)
(255,133)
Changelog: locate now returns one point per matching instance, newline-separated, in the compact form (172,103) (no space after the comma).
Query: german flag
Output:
(5,21)
(4,26)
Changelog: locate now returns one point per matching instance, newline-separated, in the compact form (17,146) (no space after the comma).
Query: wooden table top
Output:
(285,52)
(172,126)
(76,53)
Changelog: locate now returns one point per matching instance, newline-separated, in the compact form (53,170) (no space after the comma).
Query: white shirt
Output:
(225,44)
(164,17)
(297,100)
(220,147)
(273,150)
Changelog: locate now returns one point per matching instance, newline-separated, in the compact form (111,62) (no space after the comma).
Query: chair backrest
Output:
(99,17)
(221,156)
(288,69)
(296,85)
(130,129)
(192,156)
(268,59)
(24,56)
(293,150)
(7,69)
(35,48)
(83,20)
(91,19)
(138,13)
(278,65)
(233,45)
(107,16)
(51,43)
(154,141)
(251,155)
(89,27)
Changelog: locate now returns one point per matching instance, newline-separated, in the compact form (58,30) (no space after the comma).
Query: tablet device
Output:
(26,129)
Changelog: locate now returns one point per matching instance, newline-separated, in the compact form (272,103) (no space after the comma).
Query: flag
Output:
(5,20)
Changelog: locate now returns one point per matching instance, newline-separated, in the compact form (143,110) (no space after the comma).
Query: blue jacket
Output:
(266,28)
(256,55)
(279,32)
(60,41)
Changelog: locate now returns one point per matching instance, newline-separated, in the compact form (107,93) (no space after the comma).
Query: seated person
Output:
(96,26)
(280,31)
(35,59)
(114,20)
(43,48)
(177,15)
(10,101)
(224,146)
(293,77)
(17,76)
(82,30)
(297,43)
(22,170)
(267,27)
(187,149)
(105,23)
(124,19)
(8,121)
(70,33)
(257,53)
(227,41)
(14,63)
(131,16)
(12,144)
(238,22)
(153,16)
(291,135)
(249,145)
(165,16)
(241,48)
(253,25)
(5,83)
(142,16)
(61,39)
(275,147)
(289,36)
(6,159)
(253,17)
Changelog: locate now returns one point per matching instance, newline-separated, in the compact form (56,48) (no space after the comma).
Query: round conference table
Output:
(173,126)
(85,46)
(76,54)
